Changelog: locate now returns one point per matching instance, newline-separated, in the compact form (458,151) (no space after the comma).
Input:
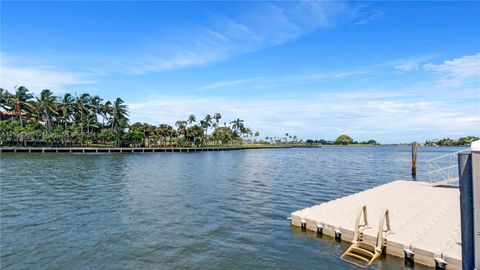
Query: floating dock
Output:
(425,220)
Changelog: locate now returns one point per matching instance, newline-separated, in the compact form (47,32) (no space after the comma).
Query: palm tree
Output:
(90,121)
(164,131)
(4,96)
(217,116)
(83,112)
(106,112)
(181,126)
(247,131)
(82,107)
(45,106)
(119,117)
(237,126)
(19,101)
(96,106)
(207,122)
(191,119)
(65,108)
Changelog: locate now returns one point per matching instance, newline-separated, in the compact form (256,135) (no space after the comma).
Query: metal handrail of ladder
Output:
(362,251)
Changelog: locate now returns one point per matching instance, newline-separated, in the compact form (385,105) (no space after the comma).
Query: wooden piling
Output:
(414,160)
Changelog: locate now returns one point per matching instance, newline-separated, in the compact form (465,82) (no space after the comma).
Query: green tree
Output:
(206,123)
(344,140)
(223,134)
(181,127)
(191,119)
(96,107)
(82,109)
(195,133)
(257,134)
(217,116)
(119,119)
(20,102)
(65,108)
(4,96)
(165,132)
(46,105)
(466,140)
(237,126)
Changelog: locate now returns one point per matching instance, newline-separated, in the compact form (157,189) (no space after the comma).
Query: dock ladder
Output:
(362,251)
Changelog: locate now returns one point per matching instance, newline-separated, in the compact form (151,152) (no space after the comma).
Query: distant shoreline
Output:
(4,149)
(91,149)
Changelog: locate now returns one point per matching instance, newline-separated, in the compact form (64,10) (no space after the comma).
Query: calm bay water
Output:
(211,210)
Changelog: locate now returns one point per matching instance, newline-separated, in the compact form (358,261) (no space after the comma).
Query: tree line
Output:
(451,142)
(341,140)
(89,120)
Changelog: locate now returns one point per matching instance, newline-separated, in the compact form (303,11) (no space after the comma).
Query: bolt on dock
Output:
(424,220)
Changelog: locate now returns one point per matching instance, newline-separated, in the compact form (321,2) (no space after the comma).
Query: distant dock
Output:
(126,149)
(425,220)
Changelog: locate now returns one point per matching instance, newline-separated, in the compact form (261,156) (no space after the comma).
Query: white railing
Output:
(444,169)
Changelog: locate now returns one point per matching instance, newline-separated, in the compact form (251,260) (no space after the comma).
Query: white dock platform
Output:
(424,219)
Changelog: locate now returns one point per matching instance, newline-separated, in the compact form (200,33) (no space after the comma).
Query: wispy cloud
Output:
(39,77)
(219,35)
(457,71)
(451,73)
(385,115)
(230,83)
(411,63)
(370,17)
(253,27)
(262,81)
(416,110)
(407,66)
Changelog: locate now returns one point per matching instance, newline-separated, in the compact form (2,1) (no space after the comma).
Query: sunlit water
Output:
(210,210)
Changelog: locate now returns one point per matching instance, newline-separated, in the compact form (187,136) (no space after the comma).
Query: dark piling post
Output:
(466,209)
(414,160)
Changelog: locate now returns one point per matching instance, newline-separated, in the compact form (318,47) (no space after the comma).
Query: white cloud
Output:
(407,66)
(382,115)
(369,18)
(457,71)
(229,83)
(169,59)
(252,27)
(38,78)
(463,67)
(275,80)
(247,28)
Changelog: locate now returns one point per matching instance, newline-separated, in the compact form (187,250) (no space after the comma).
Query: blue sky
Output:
(391,71)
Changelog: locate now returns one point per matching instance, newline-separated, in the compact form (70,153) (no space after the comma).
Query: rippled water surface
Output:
(210,210)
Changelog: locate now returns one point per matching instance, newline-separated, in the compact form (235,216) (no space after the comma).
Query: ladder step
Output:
(367,246)
(358,257)
(362,252)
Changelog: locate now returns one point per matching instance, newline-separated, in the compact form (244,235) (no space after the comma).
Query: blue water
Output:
(209,210)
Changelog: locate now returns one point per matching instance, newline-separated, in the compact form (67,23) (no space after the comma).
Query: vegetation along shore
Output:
(90,121)
(86,120)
